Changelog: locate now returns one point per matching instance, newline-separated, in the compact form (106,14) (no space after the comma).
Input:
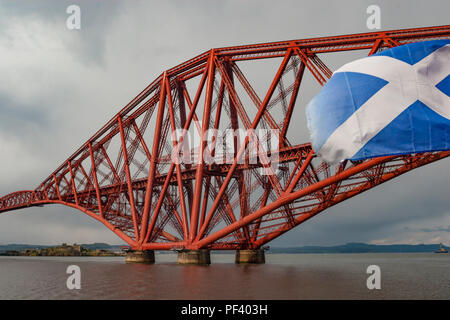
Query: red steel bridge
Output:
(124,177)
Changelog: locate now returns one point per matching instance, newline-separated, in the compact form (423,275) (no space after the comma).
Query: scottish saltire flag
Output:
(394,102)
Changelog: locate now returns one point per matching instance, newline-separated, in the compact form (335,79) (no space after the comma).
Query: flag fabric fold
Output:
(394,102)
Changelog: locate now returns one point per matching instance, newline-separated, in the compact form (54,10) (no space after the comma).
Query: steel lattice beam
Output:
(125,178)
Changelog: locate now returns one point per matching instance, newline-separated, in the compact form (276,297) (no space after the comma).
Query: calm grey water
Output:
(284,276)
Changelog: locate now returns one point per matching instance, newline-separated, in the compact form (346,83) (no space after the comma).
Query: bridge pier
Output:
(256,256)
(140,256)
(200,257)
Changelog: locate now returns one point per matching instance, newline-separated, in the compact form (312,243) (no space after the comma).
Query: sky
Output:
(59,86)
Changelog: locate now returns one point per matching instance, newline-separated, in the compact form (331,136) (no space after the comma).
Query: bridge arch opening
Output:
(51,225)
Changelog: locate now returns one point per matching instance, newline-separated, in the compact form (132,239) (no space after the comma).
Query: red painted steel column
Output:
(57,187)
(72,182)
(130,187)
(294,95)
(244,145)
(203,144)
(97,188)
(289,198)
(300,172)
(177,165)
(156,141)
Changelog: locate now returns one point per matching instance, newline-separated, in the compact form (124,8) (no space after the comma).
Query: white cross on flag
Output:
(393,102)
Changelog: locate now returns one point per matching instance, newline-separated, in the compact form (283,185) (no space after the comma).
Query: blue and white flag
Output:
(394,102)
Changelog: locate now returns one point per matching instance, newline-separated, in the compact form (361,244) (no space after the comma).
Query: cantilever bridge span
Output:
(124,177)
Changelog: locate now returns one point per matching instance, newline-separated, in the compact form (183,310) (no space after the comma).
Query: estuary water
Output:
(284,276)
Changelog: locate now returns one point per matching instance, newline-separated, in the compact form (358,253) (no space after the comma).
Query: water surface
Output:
(284,276)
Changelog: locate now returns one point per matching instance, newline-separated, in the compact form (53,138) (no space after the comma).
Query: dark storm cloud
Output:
(433,229)
(15,116)
(57,87)
(97,17)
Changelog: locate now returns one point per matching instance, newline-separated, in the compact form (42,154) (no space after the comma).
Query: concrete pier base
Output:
(250,256)
(194,257)
(140,256)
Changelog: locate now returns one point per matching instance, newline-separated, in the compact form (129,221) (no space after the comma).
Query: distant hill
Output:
(352,247)
(20,247)
(97,245)
(356,247)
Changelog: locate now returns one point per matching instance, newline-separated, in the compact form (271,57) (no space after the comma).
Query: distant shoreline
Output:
(104,249)
(356,247)
(63,250)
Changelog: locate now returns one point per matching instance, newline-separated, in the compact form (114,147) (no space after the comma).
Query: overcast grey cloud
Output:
(59,86)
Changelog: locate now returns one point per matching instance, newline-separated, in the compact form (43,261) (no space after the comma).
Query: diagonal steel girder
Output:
(124,176)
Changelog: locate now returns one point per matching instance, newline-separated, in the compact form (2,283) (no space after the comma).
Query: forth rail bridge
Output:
(123,177)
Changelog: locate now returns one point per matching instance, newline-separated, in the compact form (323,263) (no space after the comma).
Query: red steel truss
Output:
(124,177)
